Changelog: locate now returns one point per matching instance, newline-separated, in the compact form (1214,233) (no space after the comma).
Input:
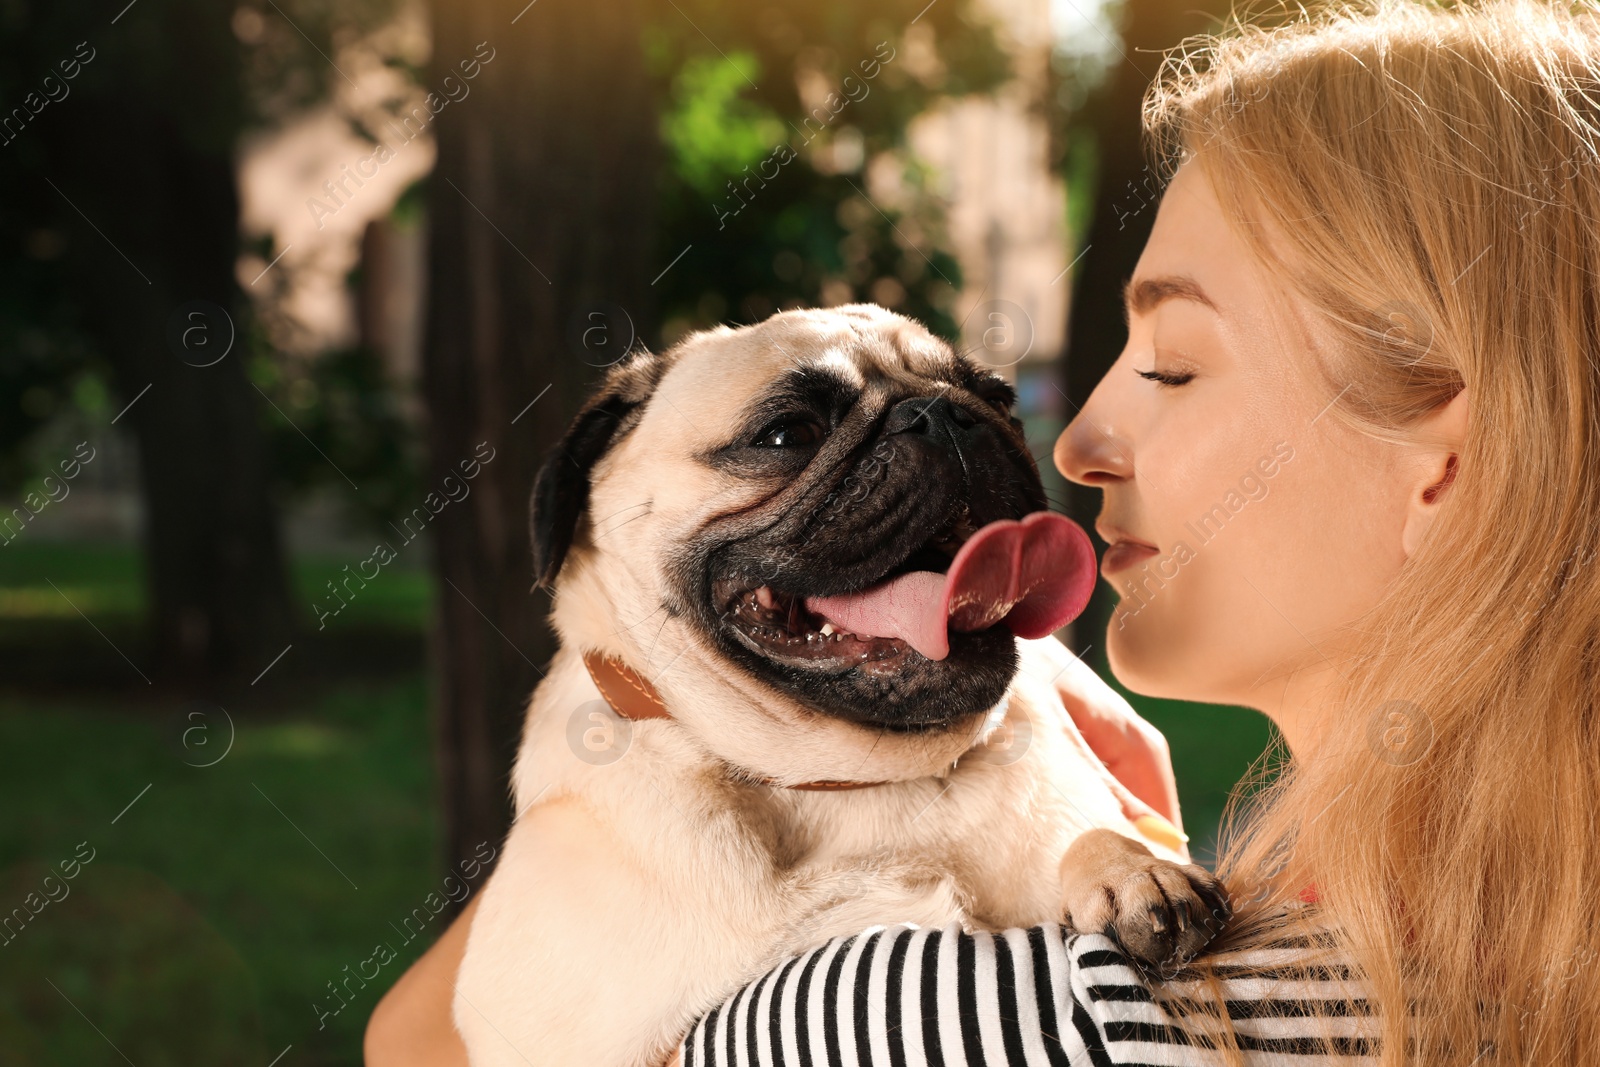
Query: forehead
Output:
(1192,239)
(1257,313)
(716,373)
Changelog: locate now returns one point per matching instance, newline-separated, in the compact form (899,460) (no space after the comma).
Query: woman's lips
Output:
(1124,554)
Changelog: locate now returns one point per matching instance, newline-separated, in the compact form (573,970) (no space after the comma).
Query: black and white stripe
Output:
(901,996)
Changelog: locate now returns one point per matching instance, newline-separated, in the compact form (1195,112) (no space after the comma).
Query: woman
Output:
(1351,469)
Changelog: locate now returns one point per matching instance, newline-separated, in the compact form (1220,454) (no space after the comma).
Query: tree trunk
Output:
(541,209)
(1126,194)
(143,178)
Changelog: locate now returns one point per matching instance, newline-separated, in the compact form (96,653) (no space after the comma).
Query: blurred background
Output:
(271,269)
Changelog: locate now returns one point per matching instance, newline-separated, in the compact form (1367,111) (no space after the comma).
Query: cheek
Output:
(1191,623)
(1257,582)
(1331,542)
(651,498)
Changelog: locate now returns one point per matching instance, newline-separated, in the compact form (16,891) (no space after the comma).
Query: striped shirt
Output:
(1043,996)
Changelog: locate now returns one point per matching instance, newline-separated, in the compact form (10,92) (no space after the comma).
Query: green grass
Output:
(102,580)
(257,880)
(398,596)
(219,905)
(106,582)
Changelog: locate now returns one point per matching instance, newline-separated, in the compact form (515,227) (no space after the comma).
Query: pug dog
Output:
(804,580)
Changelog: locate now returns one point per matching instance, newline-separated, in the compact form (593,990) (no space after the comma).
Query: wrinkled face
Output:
(814,454)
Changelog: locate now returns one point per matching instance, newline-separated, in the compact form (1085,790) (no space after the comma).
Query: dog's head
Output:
(710,506)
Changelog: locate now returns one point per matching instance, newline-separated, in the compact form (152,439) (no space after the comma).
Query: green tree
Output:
(120,176)
(768,136)
(130,174)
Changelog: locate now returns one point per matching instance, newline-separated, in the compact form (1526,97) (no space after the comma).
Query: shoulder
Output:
(1294,996)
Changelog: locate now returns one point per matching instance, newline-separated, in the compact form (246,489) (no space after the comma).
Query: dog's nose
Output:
(932,415)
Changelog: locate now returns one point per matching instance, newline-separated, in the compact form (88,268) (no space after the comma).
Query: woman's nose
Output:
(1091,452)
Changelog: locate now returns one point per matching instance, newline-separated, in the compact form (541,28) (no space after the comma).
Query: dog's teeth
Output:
(827,629)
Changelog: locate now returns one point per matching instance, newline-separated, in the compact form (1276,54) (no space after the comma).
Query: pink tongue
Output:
(1034,575)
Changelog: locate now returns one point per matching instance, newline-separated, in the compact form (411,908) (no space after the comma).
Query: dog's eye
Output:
(1000,400)
(794,433)
(998,394)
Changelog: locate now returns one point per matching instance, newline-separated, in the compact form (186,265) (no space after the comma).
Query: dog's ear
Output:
(561,489)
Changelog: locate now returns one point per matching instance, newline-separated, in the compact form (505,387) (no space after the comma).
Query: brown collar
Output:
(631,695)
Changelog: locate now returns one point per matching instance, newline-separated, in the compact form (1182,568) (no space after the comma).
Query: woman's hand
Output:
(411,1026)
(1135,754)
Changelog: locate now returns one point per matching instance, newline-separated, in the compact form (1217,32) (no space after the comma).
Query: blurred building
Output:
(335,267)
(1006,210)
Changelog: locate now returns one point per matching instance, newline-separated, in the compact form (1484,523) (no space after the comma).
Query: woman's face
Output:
(1267,522)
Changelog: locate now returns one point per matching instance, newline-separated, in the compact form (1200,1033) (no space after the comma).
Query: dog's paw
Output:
(1161,913)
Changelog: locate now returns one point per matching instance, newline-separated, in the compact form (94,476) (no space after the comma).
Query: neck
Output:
(1295,704)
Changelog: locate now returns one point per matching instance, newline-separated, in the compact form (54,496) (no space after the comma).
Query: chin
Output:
(1125,653)
(1144,665)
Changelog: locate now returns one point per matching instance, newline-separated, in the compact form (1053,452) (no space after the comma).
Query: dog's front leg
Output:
(1161,912)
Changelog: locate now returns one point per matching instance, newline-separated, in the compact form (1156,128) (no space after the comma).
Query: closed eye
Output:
(1165,377)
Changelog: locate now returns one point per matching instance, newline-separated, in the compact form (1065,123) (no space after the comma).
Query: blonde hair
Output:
(1432,178)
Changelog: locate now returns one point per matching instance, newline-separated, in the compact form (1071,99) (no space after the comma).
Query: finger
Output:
(1155,828)
(1150,778)
(1132,805)
(1138,754)
(1120,737)
(1150,771)
(1083,693)
(1097,709)
(1132,760)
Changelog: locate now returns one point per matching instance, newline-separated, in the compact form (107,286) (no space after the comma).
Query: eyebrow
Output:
(823,386)
(1141,297)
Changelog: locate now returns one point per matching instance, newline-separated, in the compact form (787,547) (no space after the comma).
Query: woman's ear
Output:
(1440,435)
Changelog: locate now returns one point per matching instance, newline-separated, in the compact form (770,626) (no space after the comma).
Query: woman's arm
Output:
(906,995)
(411,1026)
(1019,997)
